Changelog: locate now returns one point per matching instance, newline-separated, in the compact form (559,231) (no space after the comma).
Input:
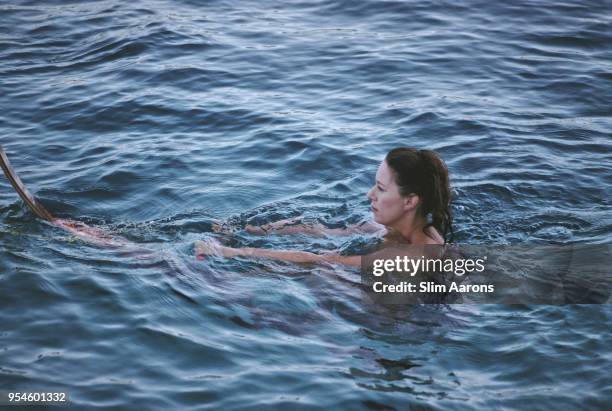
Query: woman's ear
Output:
(411,202)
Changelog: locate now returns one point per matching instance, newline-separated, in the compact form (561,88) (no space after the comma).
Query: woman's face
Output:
(388,206)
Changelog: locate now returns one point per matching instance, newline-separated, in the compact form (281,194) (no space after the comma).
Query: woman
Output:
(410,203)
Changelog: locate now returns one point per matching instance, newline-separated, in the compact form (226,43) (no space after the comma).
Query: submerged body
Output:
(410,203)
(411,185)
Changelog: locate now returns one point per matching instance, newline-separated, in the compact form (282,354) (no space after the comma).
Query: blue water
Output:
(155,119)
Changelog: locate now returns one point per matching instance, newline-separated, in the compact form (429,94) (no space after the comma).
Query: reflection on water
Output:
(155,120)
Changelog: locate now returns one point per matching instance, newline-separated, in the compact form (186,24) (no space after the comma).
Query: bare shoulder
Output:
(433,237)
(370,227)
(430,236)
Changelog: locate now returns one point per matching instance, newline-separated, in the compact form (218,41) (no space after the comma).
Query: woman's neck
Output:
(411,229)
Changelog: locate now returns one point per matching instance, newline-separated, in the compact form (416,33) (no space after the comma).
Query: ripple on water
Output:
(156,121)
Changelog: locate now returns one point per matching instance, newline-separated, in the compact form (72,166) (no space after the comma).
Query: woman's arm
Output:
(293,226)
(211,247)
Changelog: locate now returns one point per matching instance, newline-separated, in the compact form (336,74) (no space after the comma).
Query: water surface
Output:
(154,119)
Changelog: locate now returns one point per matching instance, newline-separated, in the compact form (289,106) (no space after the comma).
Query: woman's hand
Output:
(207,247)
(225,227)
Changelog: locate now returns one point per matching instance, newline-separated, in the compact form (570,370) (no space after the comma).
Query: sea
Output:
(157,120)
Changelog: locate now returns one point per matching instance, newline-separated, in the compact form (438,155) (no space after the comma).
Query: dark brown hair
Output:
(423,173)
